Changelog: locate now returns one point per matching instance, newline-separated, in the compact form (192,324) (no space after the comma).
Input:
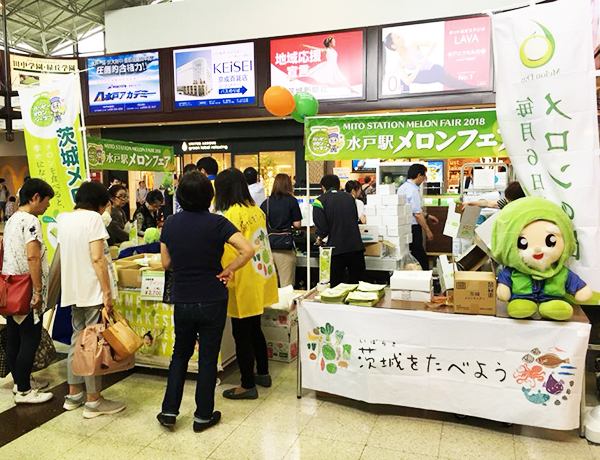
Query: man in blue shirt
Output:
(417,174)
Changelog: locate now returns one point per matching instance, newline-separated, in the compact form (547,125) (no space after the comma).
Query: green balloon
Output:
(296,116)
(306,104)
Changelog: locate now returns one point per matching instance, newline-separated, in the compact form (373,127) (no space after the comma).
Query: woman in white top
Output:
(25,253)
(353,187)
(87,286)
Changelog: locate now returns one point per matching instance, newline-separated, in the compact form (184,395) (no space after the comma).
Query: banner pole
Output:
(83,130)
(307,227)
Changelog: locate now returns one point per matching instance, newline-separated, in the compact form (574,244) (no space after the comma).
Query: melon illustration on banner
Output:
(263,260)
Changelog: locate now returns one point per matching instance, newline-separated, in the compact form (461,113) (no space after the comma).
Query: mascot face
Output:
(541,245)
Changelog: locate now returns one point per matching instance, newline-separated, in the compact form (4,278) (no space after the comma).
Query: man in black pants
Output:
(336,217)
(417,174)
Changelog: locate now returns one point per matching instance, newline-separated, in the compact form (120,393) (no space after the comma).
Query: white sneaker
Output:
(72,403)
(104,407)
(36,384)
(32,397)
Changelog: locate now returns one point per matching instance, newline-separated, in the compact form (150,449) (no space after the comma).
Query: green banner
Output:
(129,156)
(54,146)
(434,135)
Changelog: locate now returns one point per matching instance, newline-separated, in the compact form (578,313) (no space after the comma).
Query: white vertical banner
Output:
(547,115)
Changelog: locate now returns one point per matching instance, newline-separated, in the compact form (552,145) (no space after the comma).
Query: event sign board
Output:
(122,83)
(26,71)
(129,156)
(525,372)
(54,145)
(328,66)
(546,105)
(436,56)
(214,75)
(435,135)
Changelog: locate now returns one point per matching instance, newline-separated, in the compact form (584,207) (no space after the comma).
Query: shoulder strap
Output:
(1,254)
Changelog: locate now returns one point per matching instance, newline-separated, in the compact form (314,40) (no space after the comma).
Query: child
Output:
(10,207)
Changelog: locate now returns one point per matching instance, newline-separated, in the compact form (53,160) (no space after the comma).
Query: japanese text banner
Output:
(546,105)
(525,372)
(54,145)
(129,156)
(460,134)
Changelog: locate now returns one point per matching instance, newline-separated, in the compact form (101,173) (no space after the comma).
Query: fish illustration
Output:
(535,398)
(568,367)
(553,386)
(565,373)
(528,358)
(536,351)
(551,360)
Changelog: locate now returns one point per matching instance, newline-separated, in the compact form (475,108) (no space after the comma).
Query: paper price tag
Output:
(153,285)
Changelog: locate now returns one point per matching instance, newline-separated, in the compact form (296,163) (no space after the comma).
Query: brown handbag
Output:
(15,291)
(122,339)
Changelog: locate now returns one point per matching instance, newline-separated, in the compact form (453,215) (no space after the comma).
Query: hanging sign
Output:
(214,75)
(28,71)
(546,104)
(328,66)
(54,145)
(460,134)
(124,82)
(129,156)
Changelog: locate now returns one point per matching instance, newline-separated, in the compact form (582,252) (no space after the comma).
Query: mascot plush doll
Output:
(533,238)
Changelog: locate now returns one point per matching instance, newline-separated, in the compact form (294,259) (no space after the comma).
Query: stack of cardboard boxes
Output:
(390,214)
(281,332)
(412,285)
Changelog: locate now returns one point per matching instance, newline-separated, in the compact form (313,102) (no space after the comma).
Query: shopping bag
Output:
(123,340)
(15,291)
(3,360)
(93,355)
(46,352)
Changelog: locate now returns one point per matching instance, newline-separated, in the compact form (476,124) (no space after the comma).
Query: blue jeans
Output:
(204,322)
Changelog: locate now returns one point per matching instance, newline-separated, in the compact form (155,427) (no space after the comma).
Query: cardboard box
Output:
(483,234)
(446,272)
(472,259)
(394,221)
(373,249)
(415,296)
(130,276)
(382,230)
(375,221)
(373,200)
(386,189)
(396,210)
(475,293)
(280,318)
(395,240)
(484,179)
(369,233)
(370,210)
(412,280)
(461,224)
(282,343)
(392,230)
(393,200)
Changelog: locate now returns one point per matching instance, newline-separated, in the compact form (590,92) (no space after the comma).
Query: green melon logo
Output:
(537,50)
(41,115)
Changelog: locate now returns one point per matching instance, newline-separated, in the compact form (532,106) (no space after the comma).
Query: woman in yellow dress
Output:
(253,287)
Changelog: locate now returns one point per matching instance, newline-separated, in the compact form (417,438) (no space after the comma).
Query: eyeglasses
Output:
(123,197)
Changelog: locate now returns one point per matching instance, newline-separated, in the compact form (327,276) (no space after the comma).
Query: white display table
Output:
(514,371)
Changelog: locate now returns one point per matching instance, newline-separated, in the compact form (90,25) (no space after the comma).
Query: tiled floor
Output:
(279,426)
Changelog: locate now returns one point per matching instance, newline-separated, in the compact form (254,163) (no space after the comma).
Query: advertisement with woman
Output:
(437,56)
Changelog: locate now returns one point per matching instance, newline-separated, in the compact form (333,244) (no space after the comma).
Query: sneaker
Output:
(72,403)
(104,407)
(201,426)
(263,380)
(36,384)
(32,397)
(166,420)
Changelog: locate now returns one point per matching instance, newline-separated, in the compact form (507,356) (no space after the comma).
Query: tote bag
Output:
(15,291)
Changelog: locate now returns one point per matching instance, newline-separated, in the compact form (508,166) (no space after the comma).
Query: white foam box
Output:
(407,210)
(446,272)
(401,251)
(373,200)
(394,221)
(382,230)
(408,238)
(484,234)
(392,230)
(370,210)
(369,233)
(393,200)
(390,210)
(412,280)
(375,221)
(386,189)
(414,296)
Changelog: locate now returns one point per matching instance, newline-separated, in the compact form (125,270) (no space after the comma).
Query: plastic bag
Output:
(408,262)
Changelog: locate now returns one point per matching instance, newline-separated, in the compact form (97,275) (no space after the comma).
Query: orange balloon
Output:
(279,101)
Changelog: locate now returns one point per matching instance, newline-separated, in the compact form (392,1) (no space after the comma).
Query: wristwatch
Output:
(426,216)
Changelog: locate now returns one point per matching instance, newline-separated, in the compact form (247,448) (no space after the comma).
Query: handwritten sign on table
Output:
(153,285)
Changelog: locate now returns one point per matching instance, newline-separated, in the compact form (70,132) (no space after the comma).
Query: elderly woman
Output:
(87,287)
(118,230)
(25,253)
(192,246)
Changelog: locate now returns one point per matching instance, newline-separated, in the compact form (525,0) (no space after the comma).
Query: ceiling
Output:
(48,26)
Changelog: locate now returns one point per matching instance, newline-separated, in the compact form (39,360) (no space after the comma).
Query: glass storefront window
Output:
(273,163)
(223,159)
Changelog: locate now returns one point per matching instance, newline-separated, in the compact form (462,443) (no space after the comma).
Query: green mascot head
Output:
(533,236)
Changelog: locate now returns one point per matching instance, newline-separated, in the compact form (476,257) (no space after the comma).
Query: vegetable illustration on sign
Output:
(326,347)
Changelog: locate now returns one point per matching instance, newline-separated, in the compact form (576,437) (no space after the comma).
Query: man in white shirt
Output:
(256,186)
(417,174)
(141,194)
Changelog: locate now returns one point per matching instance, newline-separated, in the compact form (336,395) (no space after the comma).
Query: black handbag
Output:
(168,290)
(46,352)
(279,239)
